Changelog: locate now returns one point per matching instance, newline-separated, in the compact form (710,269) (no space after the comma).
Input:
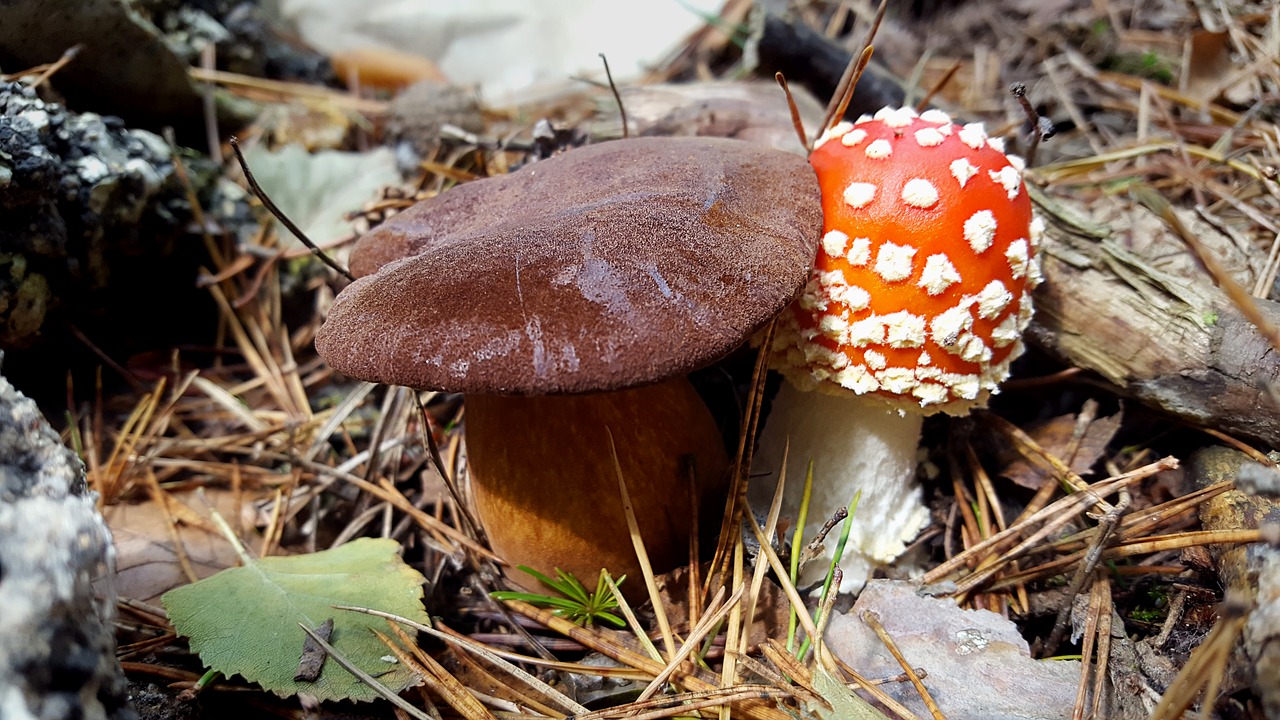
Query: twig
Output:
(815,545)
(1042,128)
(284,219)
(617,96)
(1106,527)
(873,621)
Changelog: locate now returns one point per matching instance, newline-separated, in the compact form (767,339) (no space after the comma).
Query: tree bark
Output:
(1170,342)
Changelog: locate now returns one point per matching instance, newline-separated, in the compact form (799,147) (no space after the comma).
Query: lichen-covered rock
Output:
(245,33)
(57,650)
(87,203)
(979,667)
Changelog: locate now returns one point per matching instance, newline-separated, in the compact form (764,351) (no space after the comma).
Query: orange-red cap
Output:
(921,287)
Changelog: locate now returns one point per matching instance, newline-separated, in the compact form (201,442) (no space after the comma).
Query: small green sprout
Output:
(574,603)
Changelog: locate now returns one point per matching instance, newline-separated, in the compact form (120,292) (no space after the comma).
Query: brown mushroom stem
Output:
(545,488)
(855,445)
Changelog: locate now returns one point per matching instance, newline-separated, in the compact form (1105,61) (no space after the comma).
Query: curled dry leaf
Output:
(1056,436)
(148,564)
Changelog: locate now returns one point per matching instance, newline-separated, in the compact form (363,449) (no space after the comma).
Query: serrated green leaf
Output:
(244,621)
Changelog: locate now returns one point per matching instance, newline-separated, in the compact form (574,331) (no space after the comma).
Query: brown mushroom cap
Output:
(613,265)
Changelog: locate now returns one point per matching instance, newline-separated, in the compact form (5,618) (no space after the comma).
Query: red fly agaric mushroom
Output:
(915,305)
(567,301)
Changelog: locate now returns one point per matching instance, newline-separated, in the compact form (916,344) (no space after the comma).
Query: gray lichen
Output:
(57,650)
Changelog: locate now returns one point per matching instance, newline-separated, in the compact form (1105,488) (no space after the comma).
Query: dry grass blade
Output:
(624,607)
(232,405)
(780,571)
(109,479)
(599,641)
(364,677)
(715,613)
(487,654)
(470,524)
(790,666)
(1084,572)
(646,568)
(729,539)
(352,402)
(776,678)
(1032,451)
(1096,650)
(276,90)
(1057,173)
(1243,301)
(40,74)
(729,674)
(686,704)
(384,490)
(1054,517)
(171,525)
(796,121)
(852,73)
(1130,548)
(440,680)
(251,342)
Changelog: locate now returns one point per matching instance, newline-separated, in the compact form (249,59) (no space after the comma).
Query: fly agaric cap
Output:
(919,292)
(921,288)
(614,265)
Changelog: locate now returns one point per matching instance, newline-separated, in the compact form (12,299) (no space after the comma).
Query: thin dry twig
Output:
(284,219)
(873,621)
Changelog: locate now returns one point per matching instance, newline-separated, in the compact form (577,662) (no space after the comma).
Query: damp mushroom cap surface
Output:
(610,266)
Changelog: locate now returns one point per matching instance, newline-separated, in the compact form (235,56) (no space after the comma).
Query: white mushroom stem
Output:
(855,444)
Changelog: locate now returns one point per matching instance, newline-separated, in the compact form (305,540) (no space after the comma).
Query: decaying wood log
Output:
(1175,344)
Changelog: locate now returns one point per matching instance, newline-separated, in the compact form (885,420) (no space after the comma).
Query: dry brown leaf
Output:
(147,564)
(771,615)
(1210,61)
(1210,70)
(1054,435)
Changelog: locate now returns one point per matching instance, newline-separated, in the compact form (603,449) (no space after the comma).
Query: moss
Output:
(1148,65)
(24,300)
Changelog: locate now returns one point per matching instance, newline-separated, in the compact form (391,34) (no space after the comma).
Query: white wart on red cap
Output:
(922,284)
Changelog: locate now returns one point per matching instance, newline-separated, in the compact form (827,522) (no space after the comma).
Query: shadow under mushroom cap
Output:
(613,265)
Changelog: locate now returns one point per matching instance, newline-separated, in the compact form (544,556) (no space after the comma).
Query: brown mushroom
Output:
(567,301)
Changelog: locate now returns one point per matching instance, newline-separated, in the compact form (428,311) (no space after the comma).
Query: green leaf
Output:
(244,621)
(845,704)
